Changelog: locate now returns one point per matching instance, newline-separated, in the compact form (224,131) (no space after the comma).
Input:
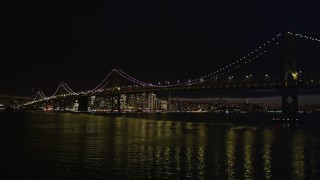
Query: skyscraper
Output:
(152,101)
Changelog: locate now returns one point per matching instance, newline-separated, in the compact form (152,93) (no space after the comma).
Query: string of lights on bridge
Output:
(305,37)
(104,82)
(63,85)
(39,93)
(254,54)
(248,58)
(99,85)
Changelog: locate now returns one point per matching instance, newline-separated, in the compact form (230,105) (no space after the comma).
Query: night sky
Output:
(79,42)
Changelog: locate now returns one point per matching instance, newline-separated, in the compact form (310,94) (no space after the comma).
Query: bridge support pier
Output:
(137,101)
(290,77)
(83,104)
(115,103)
(61,105)
(289,102)
(127,101)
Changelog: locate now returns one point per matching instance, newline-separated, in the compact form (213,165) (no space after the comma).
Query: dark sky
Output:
(79,42)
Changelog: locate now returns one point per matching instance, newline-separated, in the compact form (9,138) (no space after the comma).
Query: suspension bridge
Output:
(120,89)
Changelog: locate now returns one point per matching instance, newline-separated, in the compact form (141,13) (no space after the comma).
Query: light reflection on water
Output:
(84,146)
(267,156)
(248,154)
(230,154)
(298,159)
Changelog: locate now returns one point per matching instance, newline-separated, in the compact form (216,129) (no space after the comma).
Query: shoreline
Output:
(251,118)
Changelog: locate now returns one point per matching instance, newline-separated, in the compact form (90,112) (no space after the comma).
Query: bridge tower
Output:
(169,101)
(115,96)
(83,103)
(290,77)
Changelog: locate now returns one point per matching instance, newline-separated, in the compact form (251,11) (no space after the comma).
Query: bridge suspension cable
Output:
(305,37)
(249,57)
(132,79)
(124,75)
(68,88)
(39,93)
(253,55)
(42,95)
(63,85)
(99,85)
